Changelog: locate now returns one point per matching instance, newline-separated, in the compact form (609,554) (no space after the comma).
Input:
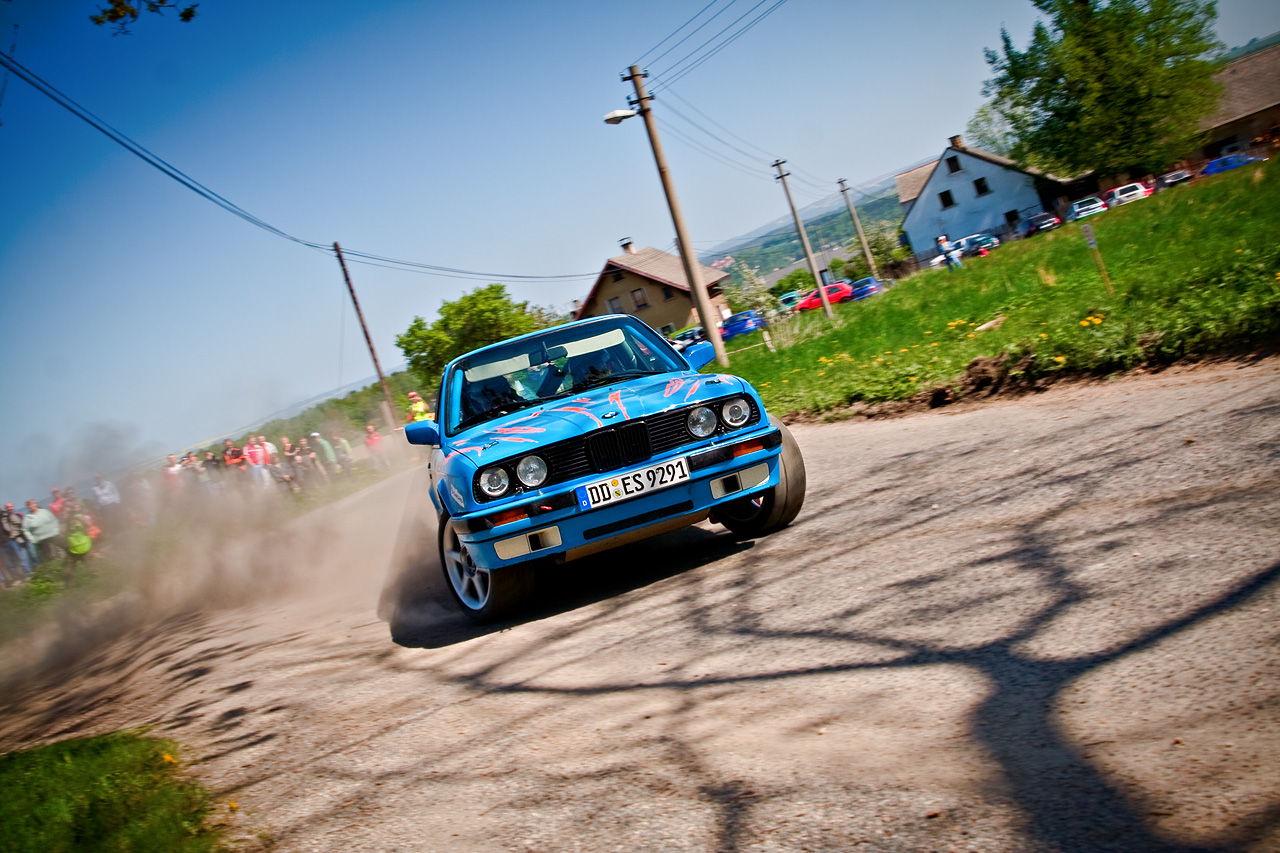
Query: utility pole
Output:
(706,312)
(804,240)
(387,406)
(857,223)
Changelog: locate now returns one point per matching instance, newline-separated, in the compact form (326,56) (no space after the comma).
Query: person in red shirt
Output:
(373,442)
(257,457)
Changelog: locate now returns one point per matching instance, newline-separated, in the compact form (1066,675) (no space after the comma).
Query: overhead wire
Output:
(681,27)
(661,83)
(157,162)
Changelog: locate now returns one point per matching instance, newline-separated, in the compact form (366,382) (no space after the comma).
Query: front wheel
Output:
(483,595)
(774,509)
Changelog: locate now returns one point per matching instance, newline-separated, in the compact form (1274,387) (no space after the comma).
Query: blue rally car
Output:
(588,436)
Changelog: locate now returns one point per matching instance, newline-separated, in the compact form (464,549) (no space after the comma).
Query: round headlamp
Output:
(701,422)
(494,481)
(736,412)
(531,471)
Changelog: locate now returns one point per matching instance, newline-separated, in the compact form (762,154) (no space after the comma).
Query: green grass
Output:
(115,792)
(1196,272)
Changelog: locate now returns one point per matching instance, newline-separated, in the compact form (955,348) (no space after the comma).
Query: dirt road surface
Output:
(1044,624)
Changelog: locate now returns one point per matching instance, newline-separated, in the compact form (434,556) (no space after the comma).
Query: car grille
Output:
(612,448)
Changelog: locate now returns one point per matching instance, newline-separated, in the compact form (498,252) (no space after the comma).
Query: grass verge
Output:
(120,791)
(1196,272)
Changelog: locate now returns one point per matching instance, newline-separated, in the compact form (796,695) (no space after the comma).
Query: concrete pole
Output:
(857,223)
(706,311)
(804,240)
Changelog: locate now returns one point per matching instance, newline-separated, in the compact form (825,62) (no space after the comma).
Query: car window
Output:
(562,361)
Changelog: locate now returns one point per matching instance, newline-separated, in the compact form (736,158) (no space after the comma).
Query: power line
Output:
(49,91)
(682,73)
(681,27)
(720,158)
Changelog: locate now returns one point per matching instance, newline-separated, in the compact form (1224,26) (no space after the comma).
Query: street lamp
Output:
(706,313)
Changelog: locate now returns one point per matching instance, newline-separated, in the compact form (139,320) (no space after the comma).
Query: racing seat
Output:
(486,394)
(590,367)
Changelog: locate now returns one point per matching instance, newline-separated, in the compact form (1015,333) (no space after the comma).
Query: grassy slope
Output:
(1195,271)
(119,791)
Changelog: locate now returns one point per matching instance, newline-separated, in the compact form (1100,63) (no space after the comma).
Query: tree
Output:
(1107,85)
(748,290)
(122,13)
(794,280)
(484,316)
(885,248)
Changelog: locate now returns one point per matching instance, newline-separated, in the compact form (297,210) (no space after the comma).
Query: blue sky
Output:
(140,318)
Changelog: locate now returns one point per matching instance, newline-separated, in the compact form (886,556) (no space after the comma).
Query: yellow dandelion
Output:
(888,352)
(785,381)
(904,349)
(169,759)
(1043,335)
(1084,322)
(1238,251)
(970,335)
(930,333)
(914,346)
(1060,358)
(934,344)
(822,373)
(1097,320)
(797,370)
(233,805)
(912,378)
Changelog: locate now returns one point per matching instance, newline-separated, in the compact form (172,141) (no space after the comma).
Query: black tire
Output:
(484,596)
(774,509)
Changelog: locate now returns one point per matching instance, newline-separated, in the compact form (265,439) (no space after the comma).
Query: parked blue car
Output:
(587,436)
(742,323)
(1226,164)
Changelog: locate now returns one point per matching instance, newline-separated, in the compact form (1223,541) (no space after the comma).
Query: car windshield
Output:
(563,361)
(739,318)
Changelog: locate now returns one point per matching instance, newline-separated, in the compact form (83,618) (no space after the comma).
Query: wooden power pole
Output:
(804,240)
(706,311)
(857,223)
(388,405)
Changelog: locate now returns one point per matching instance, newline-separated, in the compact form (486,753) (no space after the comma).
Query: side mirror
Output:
(423,432)
(700,354)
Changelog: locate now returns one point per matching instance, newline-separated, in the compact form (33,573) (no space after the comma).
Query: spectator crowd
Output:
(68,527)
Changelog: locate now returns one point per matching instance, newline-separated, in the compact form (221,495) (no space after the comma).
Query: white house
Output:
(970,191)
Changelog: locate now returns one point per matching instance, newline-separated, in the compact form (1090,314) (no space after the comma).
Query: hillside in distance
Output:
(833,230)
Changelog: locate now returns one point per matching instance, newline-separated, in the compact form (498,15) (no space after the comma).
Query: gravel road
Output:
(1042,624)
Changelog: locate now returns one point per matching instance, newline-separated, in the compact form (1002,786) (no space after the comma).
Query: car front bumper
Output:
(562,530)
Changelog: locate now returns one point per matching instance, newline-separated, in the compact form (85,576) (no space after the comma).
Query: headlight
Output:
(701,422)
(736,412)
(494,481)
(531,471)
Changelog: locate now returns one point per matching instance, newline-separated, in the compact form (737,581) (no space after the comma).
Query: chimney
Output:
(627,246)
(957,141)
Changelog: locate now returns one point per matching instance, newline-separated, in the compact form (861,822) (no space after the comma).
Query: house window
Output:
(1011,218)
(615,305)
(668,293)
(980,187)
(668,330)
(947,199)
(617,275)
(638,298)
(953,165)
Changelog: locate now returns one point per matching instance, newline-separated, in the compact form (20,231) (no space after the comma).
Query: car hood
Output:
(612,405)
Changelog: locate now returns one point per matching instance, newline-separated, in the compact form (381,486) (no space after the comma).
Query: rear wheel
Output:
(482,594)
(774,509)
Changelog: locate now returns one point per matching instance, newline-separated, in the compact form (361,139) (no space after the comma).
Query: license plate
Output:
(622,487)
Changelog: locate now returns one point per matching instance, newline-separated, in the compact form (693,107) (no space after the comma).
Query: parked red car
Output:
(840,291)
